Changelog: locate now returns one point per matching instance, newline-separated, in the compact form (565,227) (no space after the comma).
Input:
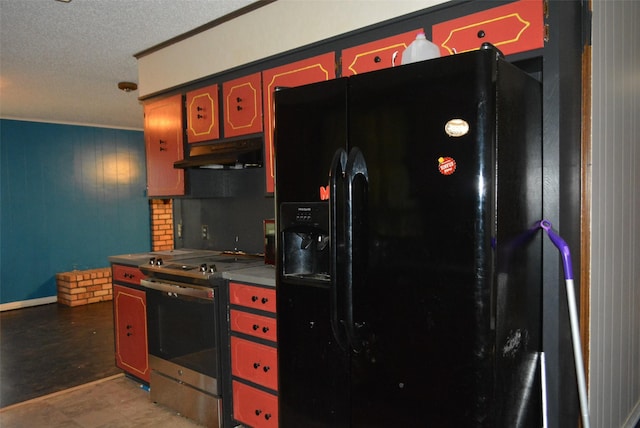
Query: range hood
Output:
(243,153)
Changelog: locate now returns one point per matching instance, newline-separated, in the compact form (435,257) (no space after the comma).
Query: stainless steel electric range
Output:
(187,324)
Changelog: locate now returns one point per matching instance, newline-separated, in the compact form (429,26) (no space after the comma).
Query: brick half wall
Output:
(81,287)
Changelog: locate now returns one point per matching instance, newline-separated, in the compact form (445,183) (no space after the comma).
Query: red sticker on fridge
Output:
(446,165)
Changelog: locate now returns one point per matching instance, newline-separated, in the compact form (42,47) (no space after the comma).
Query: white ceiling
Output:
(61,62)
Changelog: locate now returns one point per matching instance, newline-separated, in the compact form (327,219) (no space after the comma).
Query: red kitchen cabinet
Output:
(253,325)
(256,408)
(252,297)
(255,362)
(127,274)
(376,55)
(311,70)
(129,313)
(242,110)
(512,28)
(163,142)
(202,114)
(254,356)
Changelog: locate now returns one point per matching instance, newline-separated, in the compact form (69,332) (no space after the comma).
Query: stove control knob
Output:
(203,267)
(213,269)
(152,261)
(159,262)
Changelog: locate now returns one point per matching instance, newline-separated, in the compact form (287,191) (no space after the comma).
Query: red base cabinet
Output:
(254,356)
(254,407)
(129,316)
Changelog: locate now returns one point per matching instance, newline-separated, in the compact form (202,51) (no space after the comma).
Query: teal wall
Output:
(70,196)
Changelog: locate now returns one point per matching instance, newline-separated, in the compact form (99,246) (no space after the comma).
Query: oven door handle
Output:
(174,289)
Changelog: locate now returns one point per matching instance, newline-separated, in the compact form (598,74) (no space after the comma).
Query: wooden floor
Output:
(50,348)
(57,369)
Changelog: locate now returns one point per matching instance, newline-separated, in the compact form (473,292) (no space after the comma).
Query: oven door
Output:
(183,336)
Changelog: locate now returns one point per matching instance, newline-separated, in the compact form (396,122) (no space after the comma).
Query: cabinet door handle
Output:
(200,116)
(163,149)
(162,142)
(200,108)
(239,108)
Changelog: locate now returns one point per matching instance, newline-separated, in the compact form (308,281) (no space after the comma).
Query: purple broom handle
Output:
(562,247)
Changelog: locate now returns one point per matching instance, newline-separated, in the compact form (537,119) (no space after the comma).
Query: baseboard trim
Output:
(27,303)
(64,391)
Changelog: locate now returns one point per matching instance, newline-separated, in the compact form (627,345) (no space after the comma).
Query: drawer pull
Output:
(256,365)
(266,368)
(254,298)
(264,300)
(256,326)
(258,412)
(267,416)
(265,329)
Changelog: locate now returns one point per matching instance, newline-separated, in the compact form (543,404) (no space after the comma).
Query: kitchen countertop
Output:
(262,275)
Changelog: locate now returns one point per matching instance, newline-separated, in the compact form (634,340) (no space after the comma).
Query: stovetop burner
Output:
(201,269)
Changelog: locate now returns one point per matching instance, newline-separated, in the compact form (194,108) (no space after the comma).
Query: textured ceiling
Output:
(61,62)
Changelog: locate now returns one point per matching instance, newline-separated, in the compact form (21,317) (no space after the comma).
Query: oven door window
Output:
(183,330)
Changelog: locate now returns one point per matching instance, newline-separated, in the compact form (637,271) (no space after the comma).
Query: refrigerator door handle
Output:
(357,182)
(336,244)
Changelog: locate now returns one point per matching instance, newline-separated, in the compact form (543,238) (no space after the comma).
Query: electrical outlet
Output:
(205,231)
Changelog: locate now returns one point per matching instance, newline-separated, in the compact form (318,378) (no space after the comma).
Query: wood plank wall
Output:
(615,238)
(70,197)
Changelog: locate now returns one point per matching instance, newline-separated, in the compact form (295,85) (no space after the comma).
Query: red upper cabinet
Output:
(202,114)
(299,73)
(242,106)
(512,28)
(383,53)
(163,141)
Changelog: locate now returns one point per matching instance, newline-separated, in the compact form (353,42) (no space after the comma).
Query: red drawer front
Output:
(253,297)
(129,274)
(254,325)
(254,407)
(376,55)
(512,28)
(255,362)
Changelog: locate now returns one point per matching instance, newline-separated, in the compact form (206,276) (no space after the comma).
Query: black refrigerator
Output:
(408,267)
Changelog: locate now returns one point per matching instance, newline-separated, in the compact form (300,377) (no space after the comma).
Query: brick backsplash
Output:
(161,224)
(81,287)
